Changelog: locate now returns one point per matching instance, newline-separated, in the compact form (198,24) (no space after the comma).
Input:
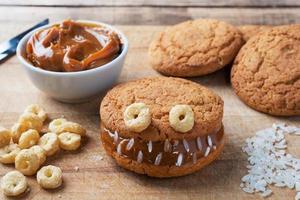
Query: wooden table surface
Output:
(98,176)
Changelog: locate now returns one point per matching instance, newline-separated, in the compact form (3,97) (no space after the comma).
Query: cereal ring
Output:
(32,121)
(137,117)
(28,139)
(16,130)
(49,142)
(13,183)
(37,110)
(55,124)
(40,152)
(5,136)
(49,177)
(71,127)
(27,162)
(181,118)
(9,153)
(69,141)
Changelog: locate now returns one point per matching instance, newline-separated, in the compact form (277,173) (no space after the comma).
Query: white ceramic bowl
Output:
(74,86)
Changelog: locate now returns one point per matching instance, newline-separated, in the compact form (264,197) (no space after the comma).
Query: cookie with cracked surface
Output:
(159,149)
(194,48)
(249,31)
(266,72)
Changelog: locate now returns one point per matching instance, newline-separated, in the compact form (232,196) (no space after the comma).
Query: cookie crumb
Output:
(76,168)
(59,196)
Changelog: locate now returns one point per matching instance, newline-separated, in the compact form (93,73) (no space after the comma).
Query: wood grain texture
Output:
(15,17)
(186,3)
(99,178)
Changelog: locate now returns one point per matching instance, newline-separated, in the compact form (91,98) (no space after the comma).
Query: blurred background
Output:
(149,12)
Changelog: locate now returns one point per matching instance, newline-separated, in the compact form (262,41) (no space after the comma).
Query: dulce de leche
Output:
(72,46)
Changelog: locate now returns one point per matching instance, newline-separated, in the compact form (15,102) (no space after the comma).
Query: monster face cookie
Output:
(195,48)
(162,127)
(266,72)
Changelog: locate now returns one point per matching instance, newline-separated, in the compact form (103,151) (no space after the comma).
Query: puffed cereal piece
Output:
(16,131)
(28,139)
(37,110)
(137,117)
(27,162)
(13,183)
(49,177)
(69,141)
(71,127)
(50,143)
(5,137)
(181,118)
(32,121)
(40,152)
(56,123)
(9,153)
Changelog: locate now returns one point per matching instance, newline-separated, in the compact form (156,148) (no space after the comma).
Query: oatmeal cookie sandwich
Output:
(162,127)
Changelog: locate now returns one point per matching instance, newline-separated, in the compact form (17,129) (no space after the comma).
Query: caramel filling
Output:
(167,152)
(72,46)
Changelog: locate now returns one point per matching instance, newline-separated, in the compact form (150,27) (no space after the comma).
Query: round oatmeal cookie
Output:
(266,72)
(164,147)
(194,48)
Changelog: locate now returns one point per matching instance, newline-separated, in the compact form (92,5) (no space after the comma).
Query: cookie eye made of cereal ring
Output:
(137,117)
(13,183)
(27,162)
(181,118)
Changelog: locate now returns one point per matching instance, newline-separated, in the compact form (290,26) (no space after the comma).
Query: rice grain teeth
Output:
(116,137)
(199,144)
(130,144)
(167,146)
(140,157)
(179,160)
(214,147)
(186,145)
(150,146)
(119,148)
(111,134)
(158,159)
(209,141)
(207,151)
(194,158)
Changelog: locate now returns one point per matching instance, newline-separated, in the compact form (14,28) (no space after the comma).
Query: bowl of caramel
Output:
(73,61)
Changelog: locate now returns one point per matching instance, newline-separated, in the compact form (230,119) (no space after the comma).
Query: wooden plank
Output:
(19,17)
(186,3)
(102,178)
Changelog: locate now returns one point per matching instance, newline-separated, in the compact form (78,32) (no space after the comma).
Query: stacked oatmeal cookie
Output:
(266,62)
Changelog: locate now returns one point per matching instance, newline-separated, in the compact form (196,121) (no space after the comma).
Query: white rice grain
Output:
(269,163)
